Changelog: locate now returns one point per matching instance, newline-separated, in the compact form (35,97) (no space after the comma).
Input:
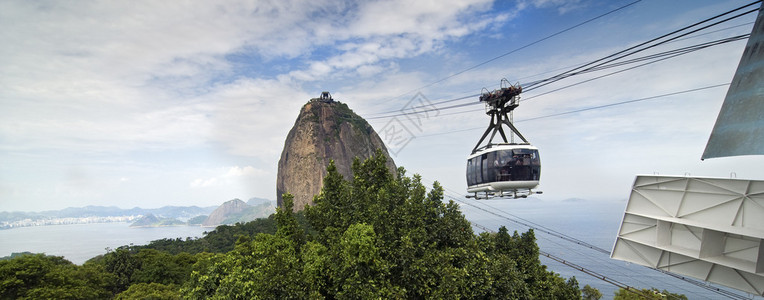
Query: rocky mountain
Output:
(227,208)
(254,201)
(324,130)
(154,221)
(236,210)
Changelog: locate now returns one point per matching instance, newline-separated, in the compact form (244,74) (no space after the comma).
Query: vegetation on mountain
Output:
(154,221)
(38,276)
(378,235)
(262,210)
(196,220)
(590,293)
(649,294)
(154,291)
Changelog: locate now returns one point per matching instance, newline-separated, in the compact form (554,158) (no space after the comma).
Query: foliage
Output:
(131,265)
(652,293)
(15,254)
(39,276)
(150,291)
(378,235)
(198,220)
(219,240)
(590,293)
(265,267)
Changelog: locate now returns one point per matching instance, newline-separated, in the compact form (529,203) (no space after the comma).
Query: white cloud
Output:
(397,29)
(121,85)
(251,117)
(563,6)
(229,177)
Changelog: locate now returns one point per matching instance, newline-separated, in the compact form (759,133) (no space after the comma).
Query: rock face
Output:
(325,130)
(223,211)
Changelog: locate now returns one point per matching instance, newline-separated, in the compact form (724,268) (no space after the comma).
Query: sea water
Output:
(594,222)
(80,242)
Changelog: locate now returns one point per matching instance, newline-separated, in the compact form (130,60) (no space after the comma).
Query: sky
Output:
(154,103)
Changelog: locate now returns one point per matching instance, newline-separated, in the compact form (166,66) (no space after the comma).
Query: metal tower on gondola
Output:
(499,105)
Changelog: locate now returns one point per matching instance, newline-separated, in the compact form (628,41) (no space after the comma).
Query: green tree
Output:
(267,266)
(652,293)
(379,235)
(150,291)
(206,275)
(51,277)
(362,272)
(122,263)
(590,293)
(162,267)
(286,221)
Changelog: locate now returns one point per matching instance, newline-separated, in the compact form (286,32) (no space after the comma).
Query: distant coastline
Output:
(66,221)
(157,226)
(167,216)
(98,214)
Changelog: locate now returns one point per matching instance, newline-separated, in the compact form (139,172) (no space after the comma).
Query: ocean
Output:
(595,222)
(591,221)
(80,242)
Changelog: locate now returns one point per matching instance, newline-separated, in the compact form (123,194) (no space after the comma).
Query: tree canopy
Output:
(378,235)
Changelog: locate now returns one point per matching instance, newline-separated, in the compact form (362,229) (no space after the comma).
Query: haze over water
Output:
(595,222)
(80,242)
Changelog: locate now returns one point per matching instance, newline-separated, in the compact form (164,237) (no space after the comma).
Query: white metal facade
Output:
(708,228)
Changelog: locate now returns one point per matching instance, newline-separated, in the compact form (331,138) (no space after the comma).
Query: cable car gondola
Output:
(505,169)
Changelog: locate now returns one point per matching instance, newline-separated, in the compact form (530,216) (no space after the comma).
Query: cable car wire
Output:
(580,268)
(540,228)
(624,102)
(595,274)
(450,194)
(519,48)
(663,56)
(568,238)
(636,49)
(578,110)
(650,59)
(604,63)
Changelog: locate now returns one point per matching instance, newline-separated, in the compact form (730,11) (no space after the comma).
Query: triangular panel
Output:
(756,187)
(668,201)
(753,214)
(640,204)
(723,214)
(646,236)
(636,253)
(733,278)
(710,186)
(697,202)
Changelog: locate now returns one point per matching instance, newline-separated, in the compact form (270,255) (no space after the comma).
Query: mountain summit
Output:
(325,130)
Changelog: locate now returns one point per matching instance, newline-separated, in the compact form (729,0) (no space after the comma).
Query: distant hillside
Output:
(251,213)
(178,212)
(198,220)
(236,210)
(254,201)
(154,221)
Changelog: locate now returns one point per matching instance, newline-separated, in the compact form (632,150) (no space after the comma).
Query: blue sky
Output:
(147,103)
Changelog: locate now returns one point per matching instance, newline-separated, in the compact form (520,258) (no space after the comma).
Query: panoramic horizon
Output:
(147,104)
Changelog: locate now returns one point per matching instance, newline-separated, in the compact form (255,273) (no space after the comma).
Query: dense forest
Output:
(376,235)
